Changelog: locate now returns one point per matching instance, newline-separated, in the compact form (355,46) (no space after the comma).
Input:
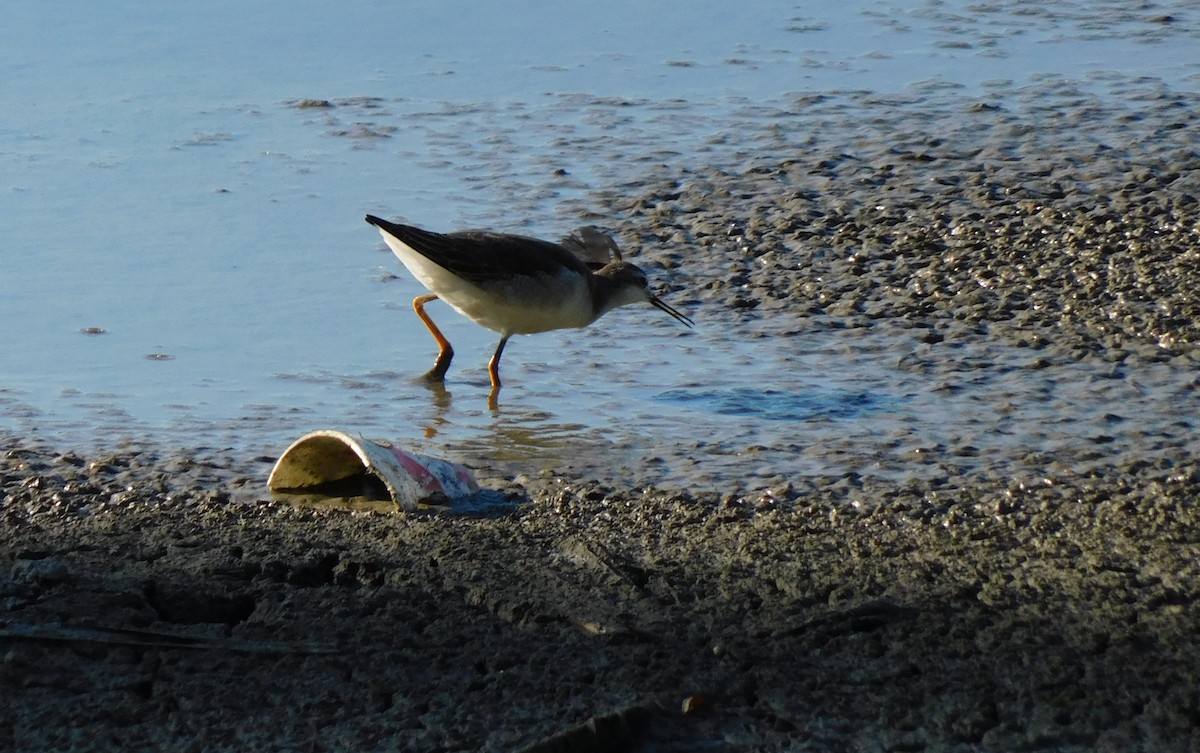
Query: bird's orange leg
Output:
(494,364)
(494,371)
(445,352)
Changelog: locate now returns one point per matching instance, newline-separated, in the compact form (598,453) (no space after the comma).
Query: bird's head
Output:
(628,284)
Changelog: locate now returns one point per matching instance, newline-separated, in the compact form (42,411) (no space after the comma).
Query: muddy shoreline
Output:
(154,598)
(146,606)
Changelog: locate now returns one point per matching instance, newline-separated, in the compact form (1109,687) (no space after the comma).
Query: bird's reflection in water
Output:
(442,401)
(511,433)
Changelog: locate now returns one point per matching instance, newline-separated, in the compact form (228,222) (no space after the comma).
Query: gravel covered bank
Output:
(153,599)
(1042,215)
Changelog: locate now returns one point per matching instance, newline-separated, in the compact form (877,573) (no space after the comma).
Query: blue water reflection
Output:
(781,405)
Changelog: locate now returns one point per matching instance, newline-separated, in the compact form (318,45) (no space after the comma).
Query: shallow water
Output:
(186,259)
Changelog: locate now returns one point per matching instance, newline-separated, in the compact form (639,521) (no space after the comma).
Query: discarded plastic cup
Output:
(331,463)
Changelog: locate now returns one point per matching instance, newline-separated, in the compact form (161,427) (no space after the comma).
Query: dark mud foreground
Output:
(1060,616)
(155,600)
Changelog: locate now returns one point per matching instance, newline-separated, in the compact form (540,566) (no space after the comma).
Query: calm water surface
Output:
(185,259)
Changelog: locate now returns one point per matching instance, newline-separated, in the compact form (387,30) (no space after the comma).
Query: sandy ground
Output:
(152,598)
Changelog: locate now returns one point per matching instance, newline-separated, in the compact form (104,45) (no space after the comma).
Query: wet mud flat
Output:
(998,600)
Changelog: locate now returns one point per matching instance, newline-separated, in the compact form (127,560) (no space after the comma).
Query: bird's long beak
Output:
(657,303)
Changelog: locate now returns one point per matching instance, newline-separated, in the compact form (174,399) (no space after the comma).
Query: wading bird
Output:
(517,285)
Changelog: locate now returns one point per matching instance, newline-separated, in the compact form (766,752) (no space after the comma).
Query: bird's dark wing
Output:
(481,256)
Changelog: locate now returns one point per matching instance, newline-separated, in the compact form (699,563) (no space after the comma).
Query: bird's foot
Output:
(440,367)
(435,375)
